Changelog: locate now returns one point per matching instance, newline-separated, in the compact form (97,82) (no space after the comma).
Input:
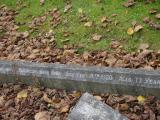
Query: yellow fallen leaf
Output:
(76,94)
(130,31)
(22,94)
(80,10)
(141,99)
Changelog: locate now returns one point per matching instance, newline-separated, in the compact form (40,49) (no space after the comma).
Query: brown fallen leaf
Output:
(129,3)
(64,109)
(157,16)
(151,23)
(42,2)
(2,101)
(114,44)
(88,24)
(67,8)
(138,28)
(44,115)
(46,99)
(86,56)
(104,19)
(123,107)
(96,37)
(153,11)
(143,46)
(31,56)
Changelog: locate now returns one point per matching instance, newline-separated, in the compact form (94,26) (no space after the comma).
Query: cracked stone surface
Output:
(89,108)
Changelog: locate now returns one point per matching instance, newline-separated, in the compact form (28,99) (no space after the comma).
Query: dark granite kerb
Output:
(91,79)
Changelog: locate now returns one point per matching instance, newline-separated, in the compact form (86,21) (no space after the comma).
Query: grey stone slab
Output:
(88,108)
(75,77)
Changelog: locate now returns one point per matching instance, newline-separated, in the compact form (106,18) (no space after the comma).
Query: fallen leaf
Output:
(76,94)
(80,10)
(129,3)
(148,67)
(64,109)
(31,56)
(153,11)
(67,8)
(88,24)
(123,107)
(138,28)
(98,97)
(141,99)
(86,56)
(114,44)
(158,16)
(96,37)
(44,115)
(46,99)
(103,19)
(130,31)
(22,94)
(151,23)
(143,46)
(2,101)
(42,2)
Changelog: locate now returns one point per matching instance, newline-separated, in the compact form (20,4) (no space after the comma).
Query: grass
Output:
(81,36)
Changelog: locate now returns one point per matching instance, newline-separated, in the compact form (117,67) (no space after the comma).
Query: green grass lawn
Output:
(81,35)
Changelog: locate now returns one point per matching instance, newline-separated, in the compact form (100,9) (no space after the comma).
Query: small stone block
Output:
(89,108)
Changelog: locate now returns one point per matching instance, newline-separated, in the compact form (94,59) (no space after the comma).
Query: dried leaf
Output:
(123,107)
(31,56)
(158,16)
(96,37)
(98,97)
(88,24)
(103,19)
(2,101)
(22,94)
(42,2)
(67,8)
(153,11)
(44,115)
(130,31)
(141,99)
(143,46)
(138,28)
(64,109)
(86,56)
(76,94)
(80,10)
(129,3)
(46,99)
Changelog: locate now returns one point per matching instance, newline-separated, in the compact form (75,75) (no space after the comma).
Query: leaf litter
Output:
(45,104)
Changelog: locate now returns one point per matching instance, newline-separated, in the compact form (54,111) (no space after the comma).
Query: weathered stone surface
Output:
(74,77)
(88,108)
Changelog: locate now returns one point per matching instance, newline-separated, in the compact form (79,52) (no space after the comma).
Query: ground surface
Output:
(16,45)
(75,23)
(21,102)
